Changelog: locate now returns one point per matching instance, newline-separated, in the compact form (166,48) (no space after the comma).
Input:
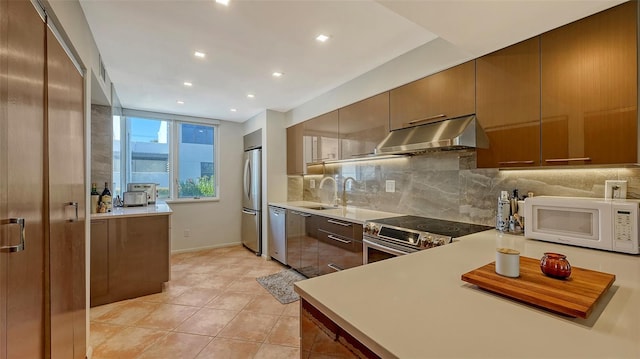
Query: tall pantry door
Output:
(66,187)
(22,64)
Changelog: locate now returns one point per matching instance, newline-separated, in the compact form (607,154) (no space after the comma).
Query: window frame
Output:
(173,126)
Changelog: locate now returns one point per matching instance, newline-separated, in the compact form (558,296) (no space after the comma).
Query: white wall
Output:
(214,224)
(425,60)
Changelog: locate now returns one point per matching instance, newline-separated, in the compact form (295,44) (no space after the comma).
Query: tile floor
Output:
(213,307)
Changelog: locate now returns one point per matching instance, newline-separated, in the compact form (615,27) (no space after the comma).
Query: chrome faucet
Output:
(344,190)
(335,189)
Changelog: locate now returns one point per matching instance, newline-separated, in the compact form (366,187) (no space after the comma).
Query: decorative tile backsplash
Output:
(447,185)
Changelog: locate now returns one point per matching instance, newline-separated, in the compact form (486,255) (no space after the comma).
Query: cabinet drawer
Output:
(337,253)
(341,228)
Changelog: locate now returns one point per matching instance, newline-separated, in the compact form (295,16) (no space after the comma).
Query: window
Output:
(177,155)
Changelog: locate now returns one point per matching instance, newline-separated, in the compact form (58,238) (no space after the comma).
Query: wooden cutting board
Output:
(575,296)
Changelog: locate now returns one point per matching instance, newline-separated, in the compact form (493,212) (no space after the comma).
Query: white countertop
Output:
(353,214)
(158,209)
(416,306)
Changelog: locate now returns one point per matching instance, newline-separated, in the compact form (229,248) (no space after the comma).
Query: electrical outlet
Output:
(615,189)
(390,186)
(312,184)
(187,232)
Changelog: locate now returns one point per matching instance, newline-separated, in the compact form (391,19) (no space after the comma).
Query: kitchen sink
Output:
(320,208)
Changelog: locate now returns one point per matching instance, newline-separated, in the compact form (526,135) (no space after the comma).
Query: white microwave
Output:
(586,222)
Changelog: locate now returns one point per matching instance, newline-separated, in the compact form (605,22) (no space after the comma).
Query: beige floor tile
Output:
(196,297)
(246,285)
(207,321)
(218,282)
(128,343)
(285,332)
(230,301)
(221,348)
(292,309)
(270,351)
(176,345)
(100,332)
(166,316)
(168,293)
(127,313)
(249,326)
(265,304)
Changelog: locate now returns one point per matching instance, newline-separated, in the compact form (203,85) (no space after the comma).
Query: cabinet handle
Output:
(339,223)
(19,247)
(427,119)
(334,267)
(75,205)
(331,236)
(515,162)
(304,214)
(251,213)
(363,154)
(569,159)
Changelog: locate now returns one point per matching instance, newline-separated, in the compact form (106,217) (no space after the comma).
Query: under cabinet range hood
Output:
(450,134)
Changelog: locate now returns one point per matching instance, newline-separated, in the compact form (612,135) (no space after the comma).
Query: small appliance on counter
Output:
(149,188)
(135,199)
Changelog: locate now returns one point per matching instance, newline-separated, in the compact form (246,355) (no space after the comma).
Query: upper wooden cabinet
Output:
(446,94)
(314,140)
(589,90)
(508,105)
(363,125)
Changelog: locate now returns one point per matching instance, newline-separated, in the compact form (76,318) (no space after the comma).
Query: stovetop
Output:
(431,225)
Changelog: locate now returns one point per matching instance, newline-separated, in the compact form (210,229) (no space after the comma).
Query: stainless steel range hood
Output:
(450,134)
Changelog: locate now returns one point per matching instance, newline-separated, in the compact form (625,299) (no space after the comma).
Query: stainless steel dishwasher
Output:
(277,234)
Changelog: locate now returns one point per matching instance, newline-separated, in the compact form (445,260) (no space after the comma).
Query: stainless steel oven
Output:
(391,237)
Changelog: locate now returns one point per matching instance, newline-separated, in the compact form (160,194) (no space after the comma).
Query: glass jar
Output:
(555,265)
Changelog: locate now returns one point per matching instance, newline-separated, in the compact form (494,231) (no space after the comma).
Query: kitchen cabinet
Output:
(339,245)
(363,125)
(312,141)
(129,257)
(589,90)
(295,150)
(446,94)
(302,243)
(42,191)
(508,105)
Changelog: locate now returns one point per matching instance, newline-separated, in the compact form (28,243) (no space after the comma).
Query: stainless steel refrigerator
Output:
(252,201)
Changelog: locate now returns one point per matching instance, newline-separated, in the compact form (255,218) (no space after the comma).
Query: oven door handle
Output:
(380,247)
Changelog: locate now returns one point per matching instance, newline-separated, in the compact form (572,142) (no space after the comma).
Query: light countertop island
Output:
(157,209)
(417,306)
(352,214)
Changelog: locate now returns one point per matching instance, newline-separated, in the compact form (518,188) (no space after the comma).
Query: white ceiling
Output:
(147,45)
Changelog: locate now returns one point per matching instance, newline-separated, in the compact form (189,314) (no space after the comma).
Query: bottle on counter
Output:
(106,198)
(504,211)
(95,198)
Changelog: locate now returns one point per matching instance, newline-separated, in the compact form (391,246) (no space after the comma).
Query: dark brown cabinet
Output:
(295,150)
(446,94)
(589,90)
(339,245)
(129,257)
(302,242)
(362,125)
(508,105)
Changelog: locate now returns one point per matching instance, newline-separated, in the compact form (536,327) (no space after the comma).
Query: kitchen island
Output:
(417,306)
(129,252)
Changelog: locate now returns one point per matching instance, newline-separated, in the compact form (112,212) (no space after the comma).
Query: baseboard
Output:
(206,247)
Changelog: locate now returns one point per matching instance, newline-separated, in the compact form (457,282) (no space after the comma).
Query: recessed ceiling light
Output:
(180,102)
(322,37)
(223,2)
(199,54)
(233,110)
(277,74)
(251,95)
(188,84)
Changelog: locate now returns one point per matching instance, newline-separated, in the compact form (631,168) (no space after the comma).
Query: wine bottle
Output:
(106,197)
(95,198)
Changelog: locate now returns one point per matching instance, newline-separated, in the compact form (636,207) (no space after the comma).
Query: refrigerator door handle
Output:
(249,212)
(247,176)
